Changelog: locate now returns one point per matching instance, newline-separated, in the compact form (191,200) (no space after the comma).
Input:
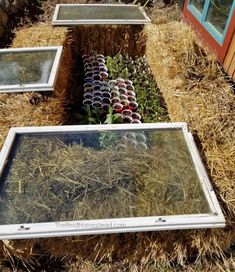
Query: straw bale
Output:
(110,40)
(47,35)
(34,108)
(207,266)
(196,92)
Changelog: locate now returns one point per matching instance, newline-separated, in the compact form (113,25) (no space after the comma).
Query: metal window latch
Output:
(160,220)
(22,228)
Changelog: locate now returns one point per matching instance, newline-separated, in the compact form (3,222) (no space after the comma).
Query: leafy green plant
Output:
(112,118)
(90,116)
(108,139)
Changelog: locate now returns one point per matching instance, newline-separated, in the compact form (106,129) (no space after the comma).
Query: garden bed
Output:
(190,97)
(54,109)
(129,80)
(125,59)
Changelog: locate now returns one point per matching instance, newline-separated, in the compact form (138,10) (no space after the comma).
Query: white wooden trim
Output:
(56,21)
(49,86)
(214,219)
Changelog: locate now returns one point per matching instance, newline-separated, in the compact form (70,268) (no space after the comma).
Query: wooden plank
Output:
(230,55)
(231,68)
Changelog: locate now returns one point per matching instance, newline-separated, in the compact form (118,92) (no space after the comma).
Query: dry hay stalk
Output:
(82,182)
(166,15)
(196,92)
(38,109)
(205,266)
(131,248)
(11,254)
(210,115)
(109,40)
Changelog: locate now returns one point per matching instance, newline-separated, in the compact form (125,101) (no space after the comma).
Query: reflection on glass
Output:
(198,4)
(25,67)
(100,13)
(218,13)
(98,175)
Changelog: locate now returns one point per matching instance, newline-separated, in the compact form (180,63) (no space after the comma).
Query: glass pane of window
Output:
(25,68)
(198,4)
(218,13)
(102,12)
(98,175)
(29,69)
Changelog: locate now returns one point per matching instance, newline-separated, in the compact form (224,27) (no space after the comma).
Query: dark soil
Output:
(24,18)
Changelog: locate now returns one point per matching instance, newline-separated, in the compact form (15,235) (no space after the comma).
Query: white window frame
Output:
(56,21)
(215,219)
(50,85)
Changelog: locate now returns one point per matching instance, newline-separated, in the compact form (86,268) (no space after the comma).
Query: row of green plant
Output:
(151,105)
(150,101)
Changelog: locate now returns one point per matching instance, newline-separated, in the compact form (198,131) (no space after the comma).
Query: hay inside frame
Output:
(25,77)
(97,226)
